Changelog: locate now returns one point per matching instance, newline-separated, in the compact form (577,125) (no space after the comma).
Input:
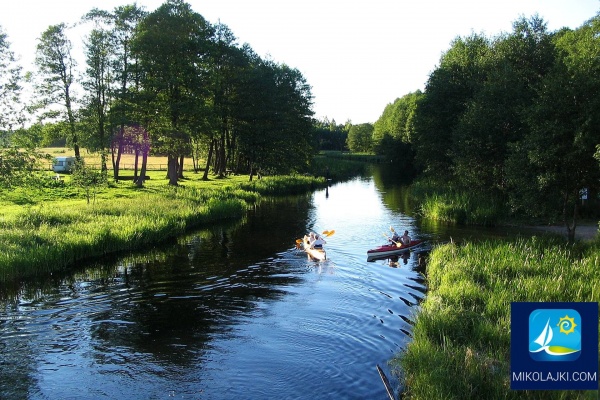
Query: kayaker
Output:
(318,242)
(405,239)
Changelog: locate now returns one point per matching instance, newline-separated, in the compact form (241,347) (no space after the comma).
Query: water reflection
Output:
(148,313)
(232,311)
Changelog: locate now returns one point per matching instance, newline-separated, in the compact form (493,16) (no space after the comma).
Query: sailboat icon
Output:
(547,347)
(544,338)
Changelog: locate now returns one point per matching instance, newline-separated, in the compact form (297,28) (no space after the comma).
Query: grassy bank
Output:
(461,337)
(339,166)
(46,229)
(443,203)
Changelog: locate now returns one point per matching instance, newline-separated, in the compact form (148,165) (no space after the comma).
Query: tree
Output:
(330,136)
(393,132)
(119,27)
(513,65)
(360,138)
(10,86)
(227,66)
(88,179)
(170,45)
(557,152)
(56,66)
(293,147)
(98,82)
(18,166)
(276,133)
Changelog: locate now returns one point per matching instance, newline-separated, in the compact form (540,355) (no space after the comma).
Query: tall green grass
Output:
(51,236)
(338,168)
(461,338)
(43,239)
(290,184)
(443,203)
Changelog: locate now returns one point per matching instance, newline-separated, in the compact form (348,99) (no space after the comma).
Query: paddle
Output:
(326,233)
(390,239)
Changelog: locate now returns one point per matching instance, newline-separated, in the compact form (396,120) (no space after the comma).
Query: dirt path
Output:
(585,231)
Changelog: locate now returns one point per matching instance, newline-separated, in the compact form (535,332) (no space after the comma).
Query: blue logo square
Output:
(554,346)
(555,334)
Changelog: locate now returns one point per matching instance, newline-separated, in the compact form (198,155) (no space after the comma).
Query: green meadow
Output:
(47,228)
(49,225)
(461,337)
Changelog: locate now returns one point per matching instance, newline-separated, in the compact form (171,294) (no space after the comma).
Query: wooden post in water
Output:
(386,383)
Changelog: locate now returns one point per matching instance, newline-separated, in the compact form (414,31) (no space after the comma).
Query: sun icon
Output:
(567,324)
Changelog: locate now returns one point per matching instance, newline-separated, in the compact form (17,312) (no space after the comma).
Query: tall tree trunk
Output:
(195,159)
(222,159)
(103,157)
(135,163)
(112,156)
(172,169)
(140,180)
(572,224)
(180,169)
(117,162)
(71,118)
(208,159)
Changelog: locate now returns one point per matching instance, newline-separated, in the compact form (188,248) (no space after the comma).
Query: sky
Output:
(357,55)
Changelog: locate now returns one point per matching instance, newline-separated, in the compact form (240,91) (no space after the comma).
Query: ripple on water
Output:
(211,318)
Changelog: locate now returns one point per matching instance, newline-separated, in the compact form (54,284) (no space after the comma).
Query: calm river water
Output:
(233,312)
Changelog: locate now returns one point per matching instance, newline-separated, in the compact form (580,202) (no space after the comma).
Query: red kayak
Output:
(391,249)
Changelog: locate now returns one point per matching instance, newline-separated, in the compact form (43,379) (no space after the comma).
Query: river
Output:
(231,312)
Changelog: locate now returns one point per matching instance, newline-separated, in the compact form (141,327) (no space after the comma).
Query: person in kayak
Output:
(405,239)
(316,241)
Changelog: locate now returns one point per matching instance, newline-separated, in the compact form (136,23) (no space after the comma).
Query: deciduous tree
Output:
(56,67)
(171,44)
(10,86)
(360,138)
(557,152)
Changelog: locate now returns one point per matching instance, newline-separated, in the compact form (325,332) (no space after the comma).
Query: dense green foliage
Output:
(514,116)
(167,82)
(464,323)
(10,86)
(330,136)
(18,167)
(393,132)
(359,138)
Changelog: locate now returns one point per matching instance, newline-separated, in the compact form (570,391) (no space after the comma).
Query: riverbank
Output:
(461,337)
(45,230)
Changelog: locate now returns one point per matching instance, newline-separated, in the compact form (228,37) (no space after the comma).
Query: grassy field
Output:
(127,160)
(49,226)
(461,338)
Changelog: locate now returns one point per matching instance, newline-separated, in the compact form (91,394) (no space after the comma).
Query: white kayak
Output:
(317,254)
